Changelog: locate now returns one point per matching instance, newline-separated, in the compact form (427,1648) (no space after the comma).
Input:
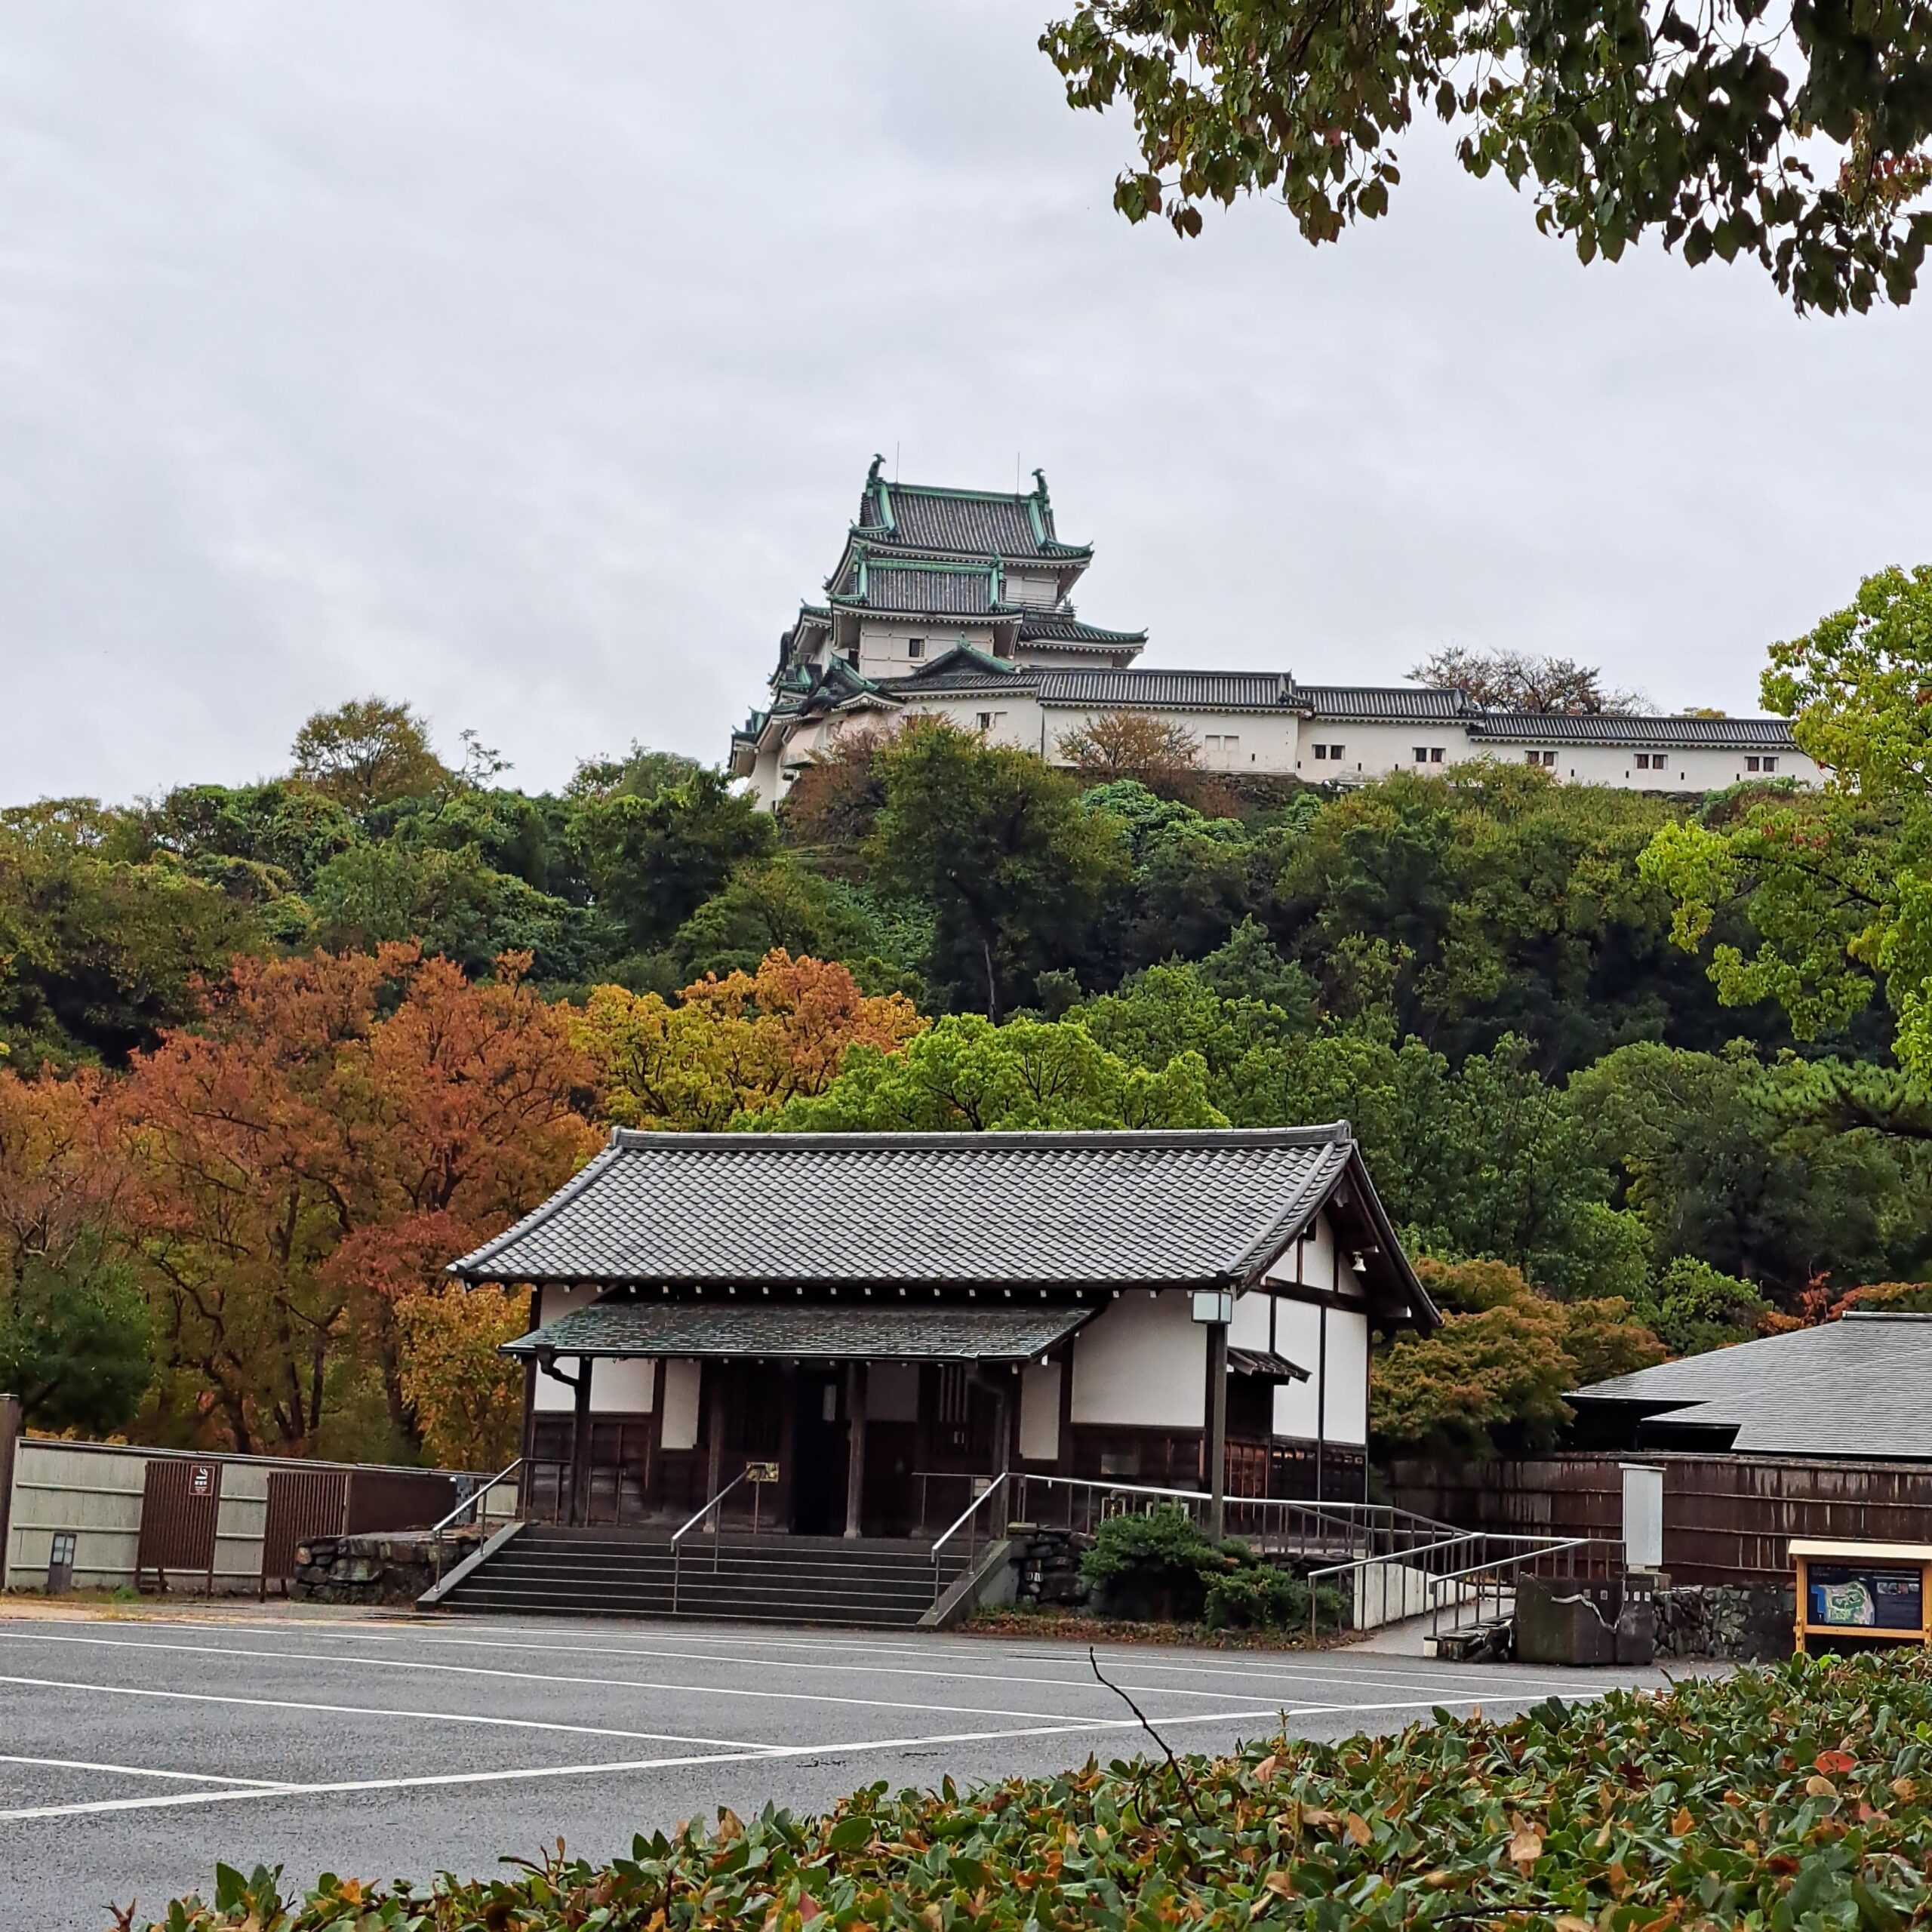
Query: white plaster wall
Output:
(617,1387)
(1316,1251)
(1250,1327)
(1267,738)
(1039,1412)
(1142,1360)
(892,1392)
(682,1382)
(1297,1335)
(1348,1376)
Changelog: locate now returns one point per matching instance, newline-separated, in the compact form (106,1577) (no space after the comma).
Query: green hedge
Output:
(1795,1797)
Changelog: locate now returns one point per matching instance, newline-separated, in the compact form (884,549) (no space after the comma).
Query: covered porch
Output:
(813,1419)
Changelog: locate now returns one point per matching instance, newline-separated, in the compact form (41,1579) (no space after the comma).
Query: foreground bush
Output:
(1794,1797)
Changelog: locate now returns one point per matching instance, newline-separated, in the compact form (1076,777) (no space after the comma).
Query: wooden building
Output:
(892,1320)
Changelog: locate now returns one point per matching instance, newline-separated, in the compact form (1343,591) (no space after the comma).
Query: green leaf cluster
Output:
(1702,127)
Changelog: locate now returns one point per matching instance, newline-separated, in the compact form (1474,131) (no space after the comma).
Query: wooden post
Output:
(855,1452)
(711,1388)
(1217,1429)
(580,1444)
(10,1433)
(1063,1460)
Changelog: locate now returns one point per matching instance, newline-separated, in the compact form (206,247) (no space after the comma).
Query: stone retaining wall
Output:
(1046,1565)
(396,1567)
(1743,1622)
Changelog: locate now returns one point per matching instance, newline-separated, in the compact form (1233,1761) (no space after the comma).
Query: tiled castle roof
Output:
(1545,727)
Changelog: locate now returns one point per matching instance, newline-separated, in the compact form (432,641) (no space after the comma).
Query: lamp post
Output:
(1214,1308)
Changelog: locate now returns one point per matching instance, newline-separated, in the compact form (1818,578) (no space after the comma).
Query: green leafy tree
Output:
(368,752)
(964,1075)
(1836,887)
(74,1337)
(454,904)
(1702,129)
(653,861)
(995,840)
(98,953)
(1694,1308)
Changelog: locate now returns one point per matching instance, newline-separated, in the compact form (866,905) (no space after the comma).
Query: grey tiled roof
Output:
(624,1324)
(1062,627)
(981,526)
(1203,691)
(960,672)
(1860,1386)
(920,592)
(1525,727)
(1383,704)
(1047,1210)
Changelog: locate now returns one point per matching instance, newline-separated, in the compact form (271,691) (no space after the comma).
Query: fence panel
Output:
(381,1500)
(302,1503)
(180,1508)
(1726,1519)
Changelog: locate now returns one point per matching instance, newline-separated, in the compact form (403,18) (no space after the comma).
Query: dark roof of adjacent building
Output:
(1384,704)
(1053,1211)
(1194,691)
(1858,1387)
(623,1323)
(1558,728)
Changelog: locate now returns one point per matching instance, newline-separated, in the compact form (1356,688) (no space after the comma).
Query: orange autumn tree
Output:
(743,1045)
(303,1160)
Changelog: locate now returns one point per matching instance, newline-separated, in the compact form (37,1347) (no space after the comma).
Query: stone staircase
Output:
(543,1570)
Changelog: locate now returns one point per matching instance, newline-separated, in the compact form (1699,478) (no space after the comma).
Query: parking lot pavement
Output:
(133,1755)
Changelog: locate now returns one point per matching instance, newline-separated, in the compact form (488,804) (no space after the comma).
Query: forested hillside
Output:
(1636,1074)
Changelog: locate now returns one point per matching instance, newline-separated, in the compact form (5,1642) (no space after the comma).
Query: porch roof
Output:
(621,1324)
(1264,1365)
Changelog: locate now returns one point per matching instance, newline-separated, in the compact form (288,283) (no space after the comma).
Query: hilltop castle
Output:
(958,604)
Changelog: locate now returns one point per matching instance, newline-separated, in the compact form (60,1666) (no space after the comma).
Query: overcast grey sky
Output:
(524,362)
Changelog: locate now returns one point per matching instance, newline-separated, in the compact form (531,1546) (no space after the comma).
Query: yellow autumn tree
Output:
(467,1397)
(744,1044)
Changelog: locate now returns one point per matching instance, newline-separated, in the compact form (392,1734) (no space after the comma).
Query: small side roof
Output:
(1056,1212)
(1860,1387)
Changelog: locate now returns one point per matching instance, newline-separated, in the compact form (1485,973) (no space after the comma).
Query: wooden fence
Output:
(1727,1519)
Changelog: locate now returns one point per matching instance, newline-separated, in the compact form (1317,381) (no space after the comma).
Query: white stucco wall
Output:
(683,1381)
(1298,1408)
(1141,1361)
(617,1387)
(1039,1412)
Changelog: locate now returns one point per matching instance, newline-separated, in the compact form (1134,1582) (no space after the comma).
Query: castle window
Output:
(915,647)
(1322,751)
(1771,764)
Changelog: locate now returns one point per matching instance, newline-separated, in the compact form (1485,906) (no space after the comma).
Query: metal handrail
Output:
(1515,1559)
(962,1522)
(469,1502)
(684,1530)
(1295,1517)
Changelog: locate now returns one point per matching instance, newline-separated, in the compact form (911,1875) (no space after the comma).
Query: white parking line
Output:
(1291,1677)
(593,1683)
(144,1771)
(366,1711)
(863,1747)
